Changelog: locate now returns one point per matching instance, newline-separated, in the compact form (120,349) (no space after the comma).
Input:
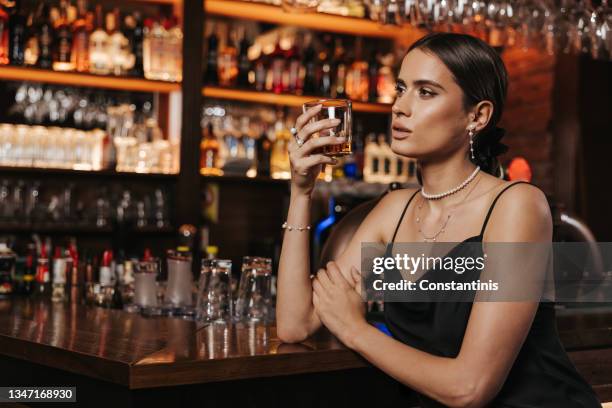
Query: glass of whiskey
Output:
(334,109)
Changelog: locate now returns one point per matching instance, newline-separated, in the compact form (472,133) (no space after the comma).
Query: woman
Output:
(450,96)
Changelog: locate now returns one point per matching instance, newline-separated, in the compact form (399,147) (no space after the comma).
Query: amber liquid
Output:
(343,129)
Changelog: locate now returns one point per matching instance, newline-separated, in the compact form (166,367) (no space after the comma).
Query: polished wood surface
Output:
(137,352)
(140,352)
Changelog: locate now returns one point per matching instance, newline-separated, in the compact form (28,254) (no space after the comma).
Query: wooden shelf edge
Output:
(285,100)
(316,21)
(10,73)
(4,170)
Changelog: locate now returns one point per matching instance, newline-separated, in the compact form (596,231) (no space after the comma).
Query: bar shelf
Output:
(10,73)
(316,21)
(283,99)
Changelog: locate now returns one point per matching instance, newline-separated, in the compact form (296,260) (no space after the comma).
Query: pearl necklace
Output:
(453,190)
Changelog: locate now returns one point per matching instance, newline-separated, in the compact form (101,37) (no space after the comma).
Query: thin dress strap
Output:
(484,225)
(402,216)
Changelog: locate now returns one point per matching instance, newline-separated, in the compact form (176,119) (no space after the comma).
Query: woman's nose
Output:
(400,106)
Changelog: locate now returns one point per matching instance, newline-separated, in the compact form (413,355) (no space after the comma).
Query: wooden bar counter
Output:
(114,357)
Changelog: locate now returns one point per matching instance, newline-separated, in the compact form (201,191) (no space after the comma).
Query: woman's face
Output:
(429,121)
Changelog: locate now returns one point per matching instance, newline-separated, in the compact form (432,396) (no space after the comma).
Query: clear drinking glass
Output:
(254,300)
(334,109)
(214,302)
(178,298)
(145,287)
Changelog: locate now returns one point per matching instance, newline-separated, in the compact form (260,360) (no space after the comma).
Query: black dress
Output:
(542,375)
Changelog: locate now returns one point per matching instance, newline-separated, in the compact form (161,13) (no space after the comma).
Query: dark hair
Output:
(480,72)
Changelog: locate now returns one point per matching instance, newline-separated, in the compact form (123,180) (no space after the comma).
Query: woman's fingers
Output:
(306,116)
(314,127)
(302,166)
(313,145)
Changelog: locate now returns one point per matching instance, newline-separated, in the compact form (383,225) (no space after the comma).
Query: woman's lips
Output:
(399,134)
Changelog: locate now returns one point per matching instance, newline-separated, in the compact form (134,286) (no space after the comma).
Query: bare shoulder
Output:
(386,214)
(522,213)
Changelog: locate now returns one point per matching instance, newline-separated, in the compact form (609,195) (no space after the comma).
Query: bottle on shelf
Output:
(59,276)
(325,63)
(62,60)
(209,153)
(30,53)
(99,59)
(310,64)
(277,68)
(17,35)
(173,52)
(280,167)
(385,80)
(45,37)
(387,160)
(211,70)
(357,82)
(295,81)
(371,167)
(373,72)
(7,271)
(122,59)
(42,288)
(81,30)
(4,36)
(340,70)
(246,76)
(135,33)
(228,64)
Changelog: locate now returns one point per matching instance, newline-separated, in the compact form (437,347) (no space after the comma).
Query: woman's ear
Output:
(481,115)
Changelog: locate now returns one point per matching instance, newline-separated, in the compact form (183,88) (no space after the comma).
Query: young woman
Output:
(450,96)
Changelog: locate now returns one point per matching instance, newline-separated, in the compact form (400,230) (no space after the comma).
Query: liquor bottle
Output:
(280,167)
(62,60)
(387,160)
(4,36)
(136,29)
(228,65)
(30,54)
(310,73)
(263,147)
(261,71)
(42,288)
(7,271)
(340,69)
(371,167)
(246,76)
(277,68)
(325,62)
(122,59)
(59,276)
(373,72)
(211,73)
(81,30)
(17,35)
(46,37)
(99,60)
(357,82)
(173,51)
(209,153)
(294,69)
(76,291)
(385,80)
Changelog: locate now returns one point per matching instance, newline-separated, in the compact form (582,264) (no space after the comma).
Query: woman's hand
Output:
(306,162)
(337,304)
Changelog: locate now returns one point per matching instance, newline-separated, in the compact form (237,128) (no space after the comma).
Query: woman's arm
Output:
(495,331)
(296,317)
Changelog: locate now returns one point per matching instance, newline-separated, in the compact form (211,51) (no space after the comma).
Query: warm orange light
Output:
(519,169)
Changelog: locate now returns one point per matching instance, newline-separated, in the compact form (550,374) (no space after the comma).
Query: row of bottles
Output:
(70,38)
(381,165)
(300,64)
(235,142)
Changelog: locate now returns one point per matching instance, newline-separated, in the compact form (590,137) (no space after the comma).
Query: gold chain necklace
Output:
(434,237)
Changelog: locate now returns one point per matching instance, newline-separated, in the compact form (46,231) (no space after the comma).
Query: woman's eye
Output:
(425,92)
(399,89)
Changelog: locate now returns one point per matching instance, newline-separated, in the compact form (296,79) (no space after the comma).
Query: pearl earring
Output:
(471,133)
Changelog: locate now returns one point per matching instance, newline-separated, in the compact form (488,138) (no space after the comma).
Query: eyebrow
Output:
(422,82)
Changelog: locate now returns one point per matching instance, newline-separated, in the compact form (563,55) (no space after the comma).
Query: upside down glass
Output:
(334,109)
(214,302)
(254,300)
